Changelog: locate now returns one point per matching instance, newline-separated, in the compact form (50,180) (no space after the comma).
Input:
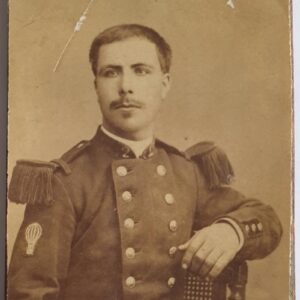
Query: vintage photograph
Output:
(149,150)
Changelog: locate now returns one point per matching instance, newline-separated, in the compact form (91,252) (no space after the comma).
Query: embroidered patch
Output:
(32,234)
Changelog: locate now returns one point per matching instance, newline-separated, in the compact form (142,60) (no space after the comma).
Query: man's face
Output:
(130,86)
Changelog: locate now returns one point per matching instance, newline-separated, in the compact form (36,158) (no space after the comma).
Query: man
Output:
(113,218)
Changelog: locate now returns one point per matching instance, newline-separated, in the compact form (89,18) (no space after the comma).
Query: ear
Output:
(166,84)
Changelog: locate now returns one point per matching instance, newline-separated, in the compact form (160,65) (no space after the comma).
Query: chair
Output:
(230,285)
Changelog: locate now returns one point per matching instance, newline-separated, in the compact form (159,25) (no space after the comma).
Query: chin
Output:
(129,129)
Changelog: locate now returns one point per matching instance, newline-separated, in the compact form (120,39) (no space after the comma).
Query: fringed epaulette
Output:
(32,180)
(213,162)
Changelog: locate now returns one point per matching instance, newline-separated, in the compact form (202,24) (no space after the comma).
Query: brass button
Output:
(121,171)
(129,223)
(169,198)
(127,196)
(260,227)
(171,282)
(247,228)
(130,252)
(161,170)
(172,251)
(130,282)
(173,225)
(253,227)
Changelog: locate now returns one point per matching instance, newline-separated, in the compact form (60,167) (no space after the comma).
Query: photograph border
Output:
(295,52)
(3,140)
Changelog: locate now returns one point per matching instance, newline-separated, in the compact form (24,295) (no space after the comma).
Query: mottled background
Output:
(231,84)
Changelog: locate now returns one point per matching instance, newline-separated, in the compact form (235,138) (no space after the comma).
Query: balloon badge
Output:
(32,234)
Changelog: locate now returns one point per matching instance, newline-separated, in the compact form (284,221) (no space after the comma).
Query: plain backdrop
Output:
(231,79)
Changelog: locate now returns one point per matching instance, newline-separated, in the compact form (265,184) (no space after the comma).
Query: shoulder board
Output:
(75,151)
(169,148)
(31,181)
(213,163)
(70,155)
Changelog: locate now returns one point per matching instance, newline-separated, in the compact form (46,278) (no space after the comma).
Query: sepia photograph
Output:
(150,150)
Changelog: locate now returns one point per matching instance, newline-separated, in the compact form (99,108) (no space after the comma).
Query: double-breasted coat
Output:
(102,224)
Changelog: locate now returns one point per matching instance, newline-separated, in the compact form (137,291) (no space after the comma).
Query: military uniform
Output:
(102,224)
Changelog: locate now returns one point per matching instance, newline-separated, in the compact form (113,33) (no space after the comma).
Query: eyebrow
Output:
(142,65)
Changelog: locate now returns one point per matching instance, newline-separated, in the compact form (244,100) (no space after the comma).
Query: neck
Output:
(130,135)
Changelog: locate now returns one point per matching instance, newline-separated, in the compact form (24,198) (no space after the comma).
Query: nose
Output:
(126,84)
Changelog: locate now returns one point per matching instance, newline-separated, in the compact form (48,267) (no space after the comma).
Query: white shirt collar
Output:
(137,147)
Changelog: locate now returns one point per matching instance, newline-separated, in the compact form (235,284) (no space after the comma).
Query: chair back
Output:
(230,285)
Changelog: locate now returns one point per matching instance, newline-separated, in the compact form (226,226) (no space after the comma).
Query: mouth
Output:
(124,106)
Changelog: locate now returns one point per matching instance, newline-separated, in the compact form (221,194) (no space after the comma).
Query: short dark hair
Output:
(125,31)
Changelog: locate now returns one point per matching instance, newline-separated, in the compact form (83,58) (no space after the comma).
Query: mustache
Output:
(125,102)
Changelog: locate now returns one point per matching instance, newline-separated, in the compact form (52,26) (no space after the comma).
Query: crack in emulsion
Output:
(230,3)
(77,28)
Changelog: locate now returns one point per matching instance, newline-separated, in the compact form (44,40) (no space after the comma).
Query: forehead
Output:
(127,52)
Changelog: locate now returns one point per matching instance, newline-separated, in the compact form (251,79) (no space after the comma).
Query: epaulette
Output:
(169,148)
(213,163)
(31,181)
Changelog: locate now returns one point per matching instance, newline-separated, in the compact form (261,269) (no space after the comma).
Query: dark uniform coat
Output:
(102,224)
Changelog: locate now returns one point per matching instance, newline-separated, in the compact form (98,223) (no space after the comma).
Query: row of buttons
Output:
(130,252)
(130,282)
(127,197)
(129,224)
(122,170)
(254,227)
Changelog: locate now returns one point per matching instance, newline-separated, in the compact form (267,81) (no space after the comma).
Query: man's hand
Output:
(210,250)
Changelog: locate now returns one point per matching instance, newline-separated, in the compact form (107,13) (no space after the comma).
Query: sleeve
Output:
(257,221)
(41,253)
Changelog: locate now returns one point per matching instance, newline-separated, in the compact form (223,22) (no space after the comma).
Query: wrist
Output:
(234,228)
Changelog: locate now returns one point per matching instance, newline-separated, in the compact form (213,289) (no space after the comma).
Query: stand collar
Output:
(119,147)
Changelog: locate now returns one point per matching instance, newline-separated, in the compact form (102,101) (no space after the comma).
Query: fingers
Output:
(219,266)
(206,253)
(184,246)
(204,260)
(191,247)
(209,263)
(200,258)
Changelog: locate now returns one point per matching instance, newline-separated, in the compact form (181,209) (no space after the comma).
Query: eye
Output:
(109,73)
(142,70)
